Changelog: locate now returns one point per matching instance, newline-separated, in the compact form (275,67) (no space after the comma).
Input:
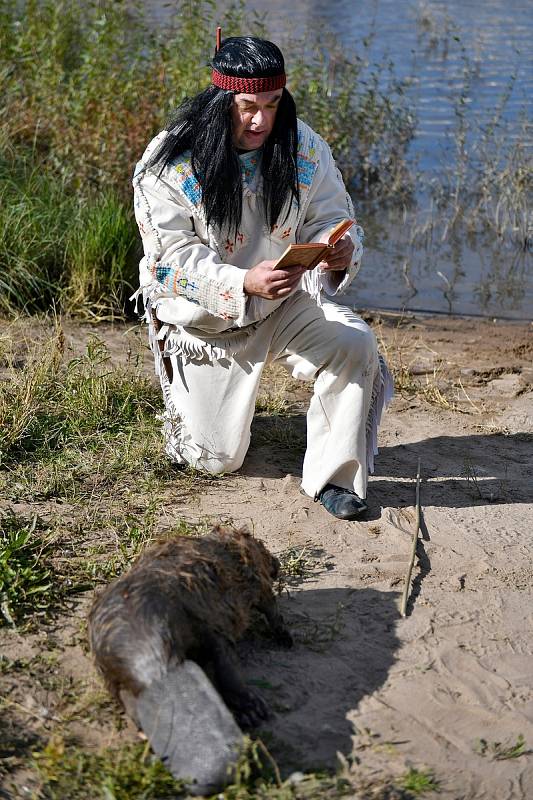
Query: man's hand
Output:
(271,284)
(338,257)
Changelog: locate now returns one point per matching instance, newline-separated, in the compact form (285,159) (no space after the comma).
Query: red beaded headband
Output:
(233,83)
(248,85)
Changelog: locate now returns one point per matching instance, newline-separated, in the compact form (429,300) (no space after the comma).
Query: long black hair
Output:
(202,124)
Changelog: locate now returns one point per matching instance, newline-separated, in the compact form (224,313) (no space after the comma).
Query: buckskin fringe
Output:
(192,349)
(178,440)
(179,342)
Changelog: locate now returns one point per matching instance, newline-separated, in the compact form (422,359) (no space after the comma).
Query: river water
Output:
(428,42)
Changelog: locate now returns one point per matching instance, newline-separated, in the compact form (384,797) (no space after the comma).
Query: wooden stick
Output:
(273,763)
(407,585)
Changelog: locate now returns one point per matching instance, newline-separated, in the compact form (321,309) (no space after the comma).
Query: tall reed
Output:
(85,88)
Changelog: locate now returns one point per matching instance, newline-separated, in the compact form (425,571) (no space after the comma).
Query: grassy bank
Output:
(86,87)
(85,487)
(58,247)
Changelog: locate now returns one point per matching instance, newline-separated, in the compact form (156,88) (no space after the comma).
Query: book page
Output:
(339,231)
(306,254)
(310,254)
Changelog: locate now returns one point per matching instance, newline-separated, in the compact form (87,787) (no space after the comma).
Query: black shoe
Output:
(342,503)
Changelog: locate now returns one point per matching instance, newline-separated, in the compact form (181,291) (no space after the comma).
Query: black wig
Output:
(202,124)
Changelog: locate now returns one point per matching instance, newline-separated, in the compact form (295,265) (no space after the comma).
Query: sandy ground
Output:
(450,687)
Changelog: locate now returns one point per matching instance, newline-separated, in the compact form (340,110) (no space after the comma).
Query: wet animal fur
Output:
(187,598)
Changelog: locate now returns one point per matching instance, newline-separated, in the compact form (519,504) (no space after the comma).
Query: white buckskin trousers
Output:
(210,403)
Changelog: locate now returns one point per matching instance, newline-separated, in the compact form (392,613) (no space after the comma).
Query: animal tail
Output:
(188,726)
(127,655)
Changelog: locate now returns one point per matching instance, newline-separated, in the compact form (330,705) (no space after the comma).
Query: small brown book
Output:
(312,253)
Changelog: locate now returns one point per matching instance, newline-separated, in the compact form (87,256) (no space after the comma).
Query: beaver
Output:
(178,611)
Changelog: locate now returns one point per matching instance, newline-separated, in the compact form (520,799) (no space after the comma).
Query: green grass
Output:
(56,245)
(33,228)
(282,433)
(50,410)
(83,431)
(300,563)
(86,87)
(132,773)
(502,751)
(273,404)
(317,634)
(295,562)
(100,265)
(419,782)
(127,773)
(29,584)
(128,534)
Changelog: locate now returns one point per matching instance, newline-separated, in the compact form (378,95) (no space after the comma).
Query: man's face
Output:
(253,117)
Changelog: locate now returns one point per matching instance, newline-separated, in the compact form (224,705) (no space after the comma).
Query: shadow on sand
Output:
(344,646)
(458,471)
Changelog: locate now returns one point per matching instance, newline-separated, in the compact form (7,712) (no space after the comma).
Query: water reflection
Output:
(457,58)
(457,276)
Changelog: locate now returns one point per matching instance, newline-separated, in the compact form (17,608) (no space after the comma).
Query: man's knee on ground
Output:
(210,454)
(220,464)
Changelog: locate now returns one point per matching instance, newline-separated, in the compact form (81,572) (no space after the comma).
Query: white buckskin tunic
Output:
(218,339)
